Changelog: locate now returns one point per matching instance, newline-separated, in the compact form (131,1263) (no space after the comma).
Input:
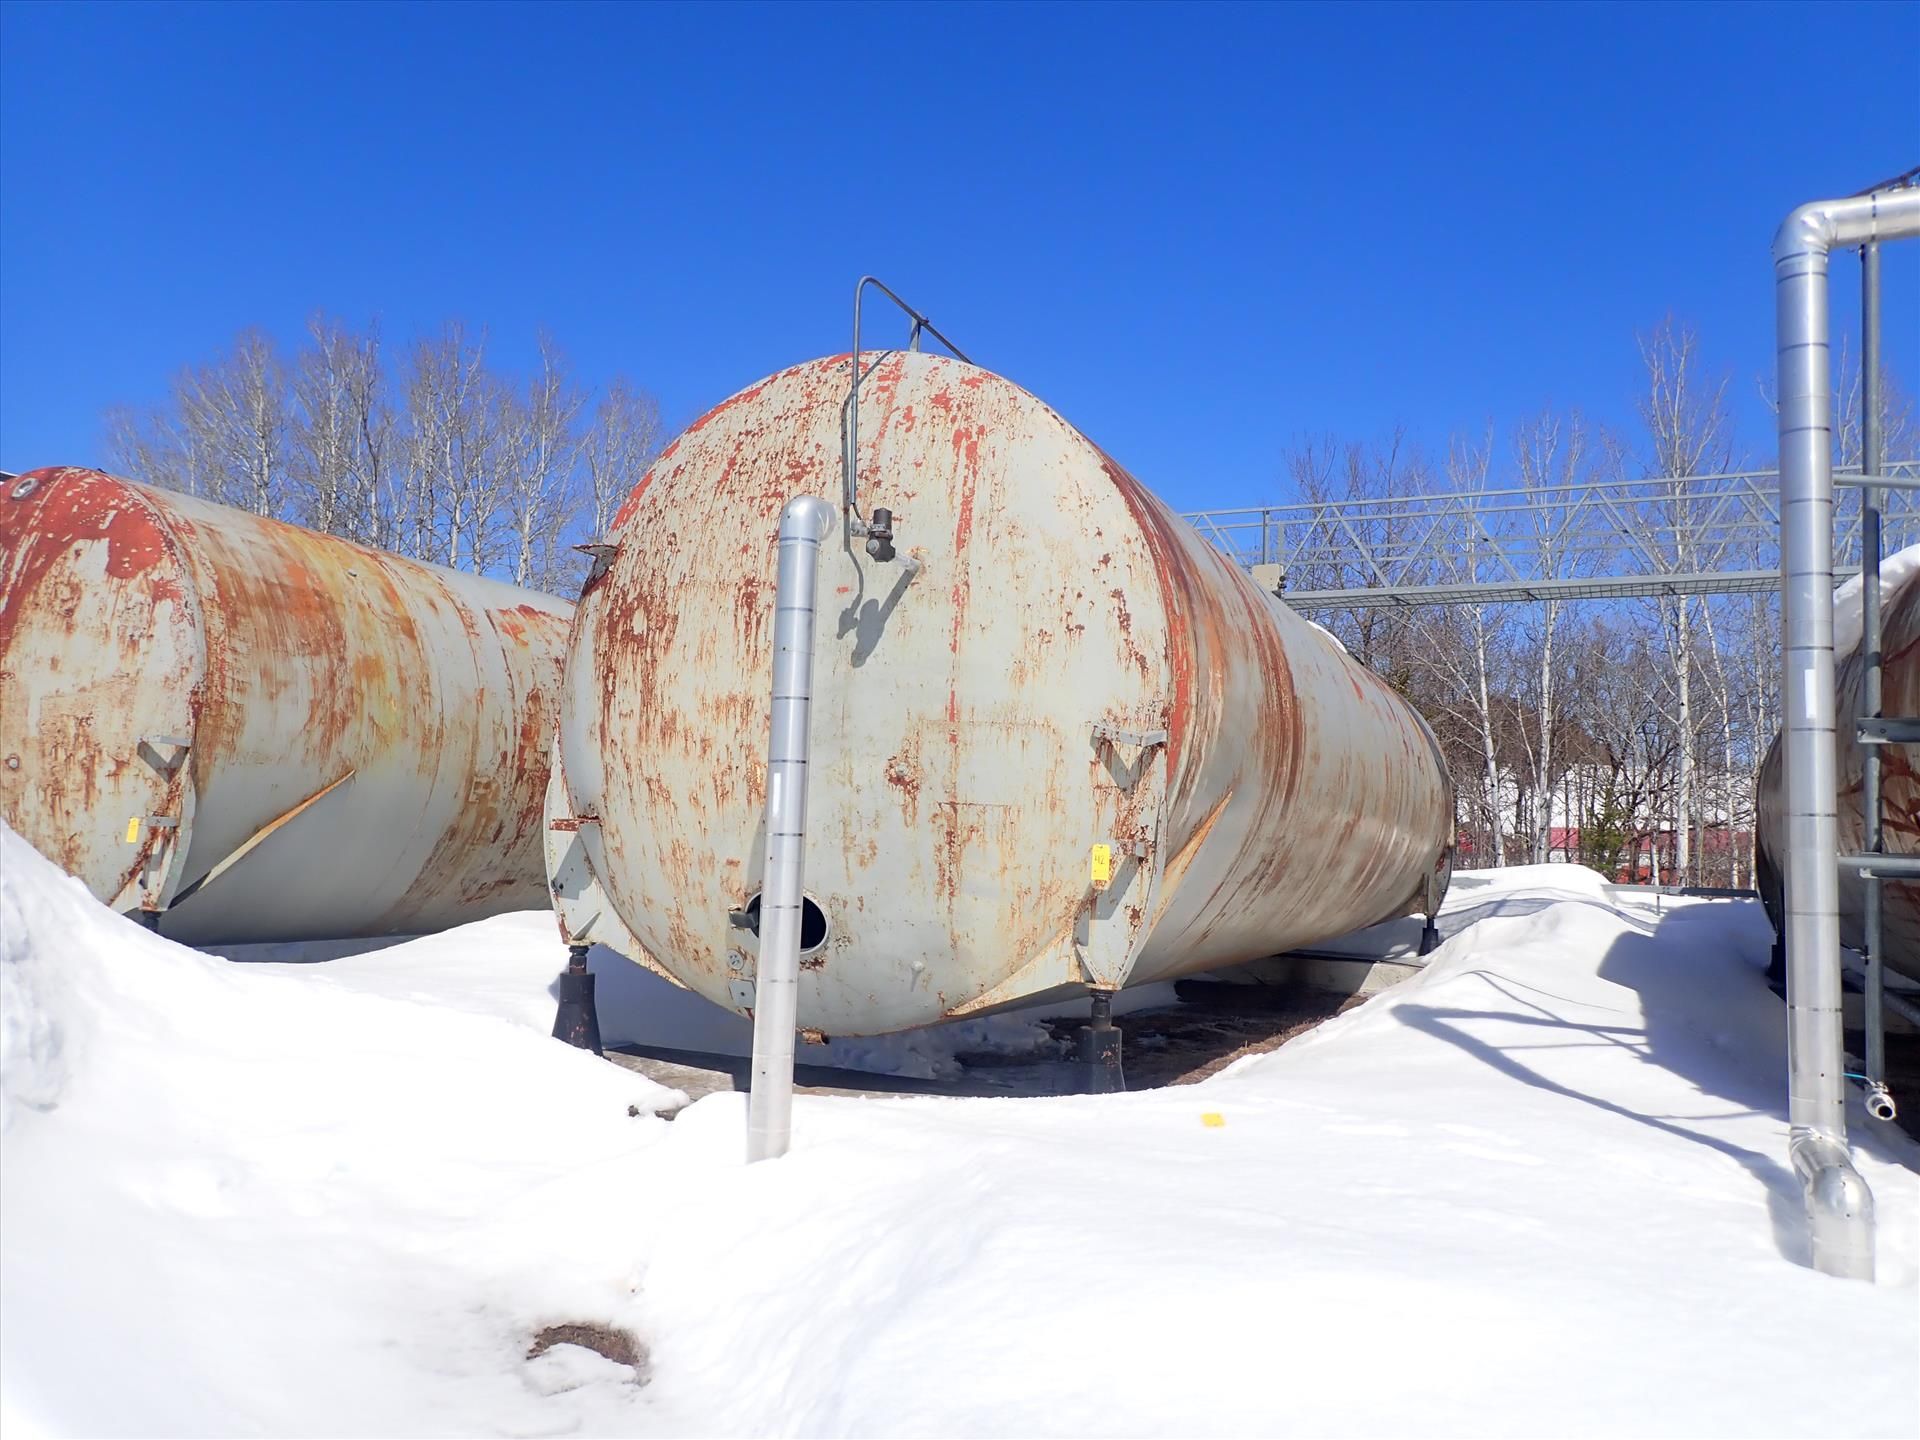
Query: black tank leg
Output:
(1430,934)
(577,1021)
(146,919)
(1100,1049)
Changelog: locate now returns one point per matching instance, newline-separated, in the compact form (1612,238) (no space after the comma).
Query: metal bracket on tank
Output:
(1105,734)
(602,556)
(1889,730)
(179,744)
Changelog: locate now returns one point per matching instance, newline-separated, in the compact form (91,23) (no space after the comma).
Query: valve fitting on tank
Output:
(1880,1103)
(880,535)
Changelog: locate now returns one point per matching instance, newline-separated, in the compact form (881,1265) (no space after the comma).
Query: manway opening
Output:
(813,923)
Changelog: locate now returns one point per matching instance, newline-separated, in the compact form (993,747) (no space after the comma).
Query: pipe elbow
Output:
(1816,1155)
(806,517)
(1821,226)
(1808,227)
(1837,1191)
(1839,1205)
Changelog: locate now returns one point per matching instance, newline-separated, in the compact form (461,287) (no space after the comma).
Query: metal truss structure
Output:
(1663,535)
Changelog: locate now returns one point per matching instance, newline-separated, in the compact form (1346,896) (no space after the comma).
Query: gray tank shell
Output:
(1056,663)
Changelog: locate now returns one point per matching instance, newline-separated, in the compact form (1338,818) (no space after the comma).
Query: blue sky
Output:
(1198,231)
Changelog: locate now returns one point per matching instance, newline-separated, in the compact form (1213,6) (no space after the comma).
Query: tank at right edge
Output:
(1899,785)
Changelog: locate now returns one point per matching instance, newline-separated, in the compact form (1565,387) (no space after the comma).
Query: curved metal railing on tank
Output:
(879,531)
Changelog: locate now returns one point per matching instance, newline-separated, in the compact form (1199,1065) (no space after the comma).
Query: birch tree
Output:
(1687,425)
(1550,454)
(539,438)
(450,459)
(452,438)
(620,444)
(223,433)
(1471,675)
(340,434)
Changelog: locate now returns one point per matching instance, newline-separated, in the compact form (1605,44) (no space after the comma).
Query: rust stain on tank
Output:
(903,774)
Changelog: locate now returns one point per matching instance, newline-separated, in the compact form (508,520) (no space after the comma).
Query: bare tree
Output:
(1550,453)
(340,434)
(156,447)
(455,462)
(620,444)
(238,406)
(223,434)
(1688,426)
(1899,431)
(1464,660)
(1325,472)
(539,447)
(452,439)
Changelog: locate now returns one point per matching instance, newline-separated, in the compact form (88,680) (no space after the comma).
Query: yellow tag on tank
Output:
(1102,866)
(133,829)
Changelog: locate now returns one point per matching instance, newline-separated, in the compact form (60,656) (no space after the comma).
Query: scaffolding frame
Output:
(1659,535)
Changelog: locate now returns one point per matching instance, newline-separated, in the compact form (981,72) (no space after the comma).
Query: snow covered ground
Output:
(507,967)
(1538,1190)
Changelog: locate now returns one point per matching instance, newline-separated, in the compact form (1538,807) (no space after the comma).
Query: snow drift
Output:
(1540,1189)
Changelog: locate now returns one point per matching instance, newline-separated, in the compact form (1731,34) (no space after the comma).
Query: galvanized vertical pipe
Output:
(1839,1205)
(804,523)
(1878,1100)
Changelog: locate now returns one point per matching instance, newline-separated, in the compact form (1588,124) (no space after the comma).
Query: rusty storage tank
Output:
(1060,743)
(265,732)
(1899,784)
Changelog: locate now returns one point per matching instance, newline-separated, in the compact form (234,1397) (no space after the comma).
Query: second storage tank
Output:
(1899,782)
(262,732)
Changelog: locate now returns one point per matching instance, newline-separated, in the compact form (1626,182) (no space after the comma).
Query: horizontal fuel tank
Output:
(1059,743)
(264,732)
(1899,783)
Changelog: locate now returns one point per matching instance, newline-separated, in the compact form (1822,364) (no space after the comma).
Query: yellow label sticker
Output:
(133,829)
(1102,866)
(1212,1119)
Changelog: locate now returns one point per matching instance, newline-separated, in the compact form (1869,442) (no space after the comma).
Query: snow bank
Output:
(241,1202)
(507,967)
(1539,1190)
